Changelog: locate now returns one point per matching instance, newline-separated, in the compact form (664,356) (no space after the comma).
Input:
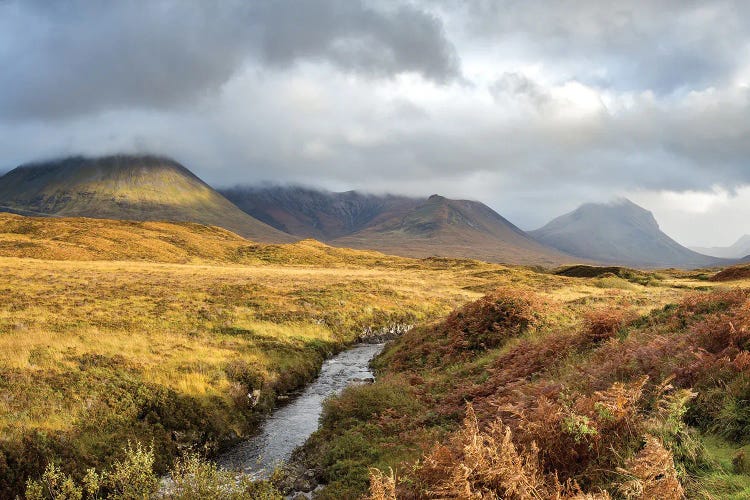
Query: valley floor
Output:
(93,354)
(190,354)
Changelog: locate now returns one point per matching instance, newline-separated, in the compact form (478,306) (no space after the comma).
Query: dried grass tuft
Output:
(651,474)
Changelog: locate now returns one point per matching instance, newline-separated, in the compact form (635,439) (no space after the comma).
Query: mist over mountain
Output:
(738,250)
(124,187)
(620,233)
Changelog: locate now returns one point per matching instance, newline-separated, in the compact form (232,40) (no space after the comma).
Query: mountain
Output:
(738,250)
(619,233)
(312,213)
(125,187)
(398,225)
(442,227)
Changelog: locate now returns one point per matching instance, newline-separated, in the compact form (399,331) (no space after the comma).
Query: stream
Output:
(289,426)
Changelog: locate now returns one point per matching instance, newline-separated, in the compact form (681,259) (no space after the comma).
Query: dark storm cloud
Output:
(69,58)
(531,106)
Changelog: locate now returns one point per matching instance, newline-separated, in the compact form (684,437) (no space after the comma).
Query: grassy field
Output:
(157,332)
(95,353)
(114,332)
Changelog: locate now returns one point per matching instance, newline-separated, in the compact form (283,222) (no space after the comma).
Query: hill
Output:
(125,187)
(397,225)
(453,228)
(313,213)
(619,233)
(85,239)
(740,249)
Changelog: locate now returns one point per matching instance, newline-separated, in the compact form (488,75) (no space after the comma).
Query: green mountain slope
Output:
(125,187)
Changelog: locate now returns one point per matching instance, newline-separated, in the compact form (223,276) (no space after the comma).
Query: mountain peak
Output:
(621,210)
(413,227)
(618,232)
(135,187)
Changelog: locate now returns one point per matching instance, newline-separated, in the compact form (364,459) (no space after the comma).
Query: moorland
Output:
(117,335)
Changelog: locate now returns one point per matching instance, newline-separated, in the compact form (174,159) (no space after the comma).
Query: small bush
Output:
(613,282)
(133,477)
(484,324)
(382,486)
(129,479)
(601,324)
(369,401)
(485,465)
(54,485)
(651,474)
(195,479)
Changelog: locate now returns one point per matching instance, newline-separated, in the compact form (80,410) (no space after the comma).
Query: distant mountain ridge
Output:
(398,225)
(313,213)
(738,250)
(619,233)
(154,188)
(131,187)
(457,228)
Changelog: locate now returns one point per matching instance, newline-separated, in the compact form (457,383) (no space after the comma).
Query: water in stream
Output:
(290,425)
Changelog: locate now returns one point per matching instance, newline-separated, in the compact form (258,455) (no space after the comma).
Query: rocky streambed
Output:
(291,424)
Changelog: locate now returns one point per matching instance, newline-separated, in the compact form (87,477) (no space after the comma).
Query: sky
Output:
(532,107)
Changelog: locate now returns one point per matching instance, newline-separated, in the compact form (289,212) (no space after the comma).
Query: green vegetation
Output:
(162,340)
(133,478)
(125,187)
(519,395)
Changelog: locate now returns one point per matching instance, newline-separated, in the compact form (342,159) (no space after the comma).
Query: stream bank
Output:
(291,424)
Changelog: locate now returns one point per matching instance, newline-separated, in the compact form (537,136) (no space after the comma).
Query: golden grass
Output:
(178,325)
(173,305)
(162,318)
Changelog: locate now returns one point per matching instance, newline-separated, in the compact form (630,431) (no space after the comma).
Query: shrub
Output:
(194,478)
(613,282)
(484,464)
(54,485)
(487,464)
(367,402)
(484,324)
(382,486)
(651,474)
(133,477)
(601,324)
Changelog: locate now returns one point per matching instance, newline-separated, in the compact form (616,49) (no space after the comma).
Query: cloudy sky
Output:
(530,106)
